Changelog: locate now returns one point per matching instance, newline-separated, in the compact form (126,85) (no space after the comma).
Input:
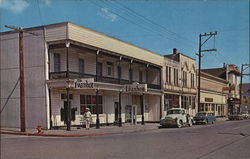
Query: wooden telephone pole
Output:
(241,76)
(200,55)
(21,72)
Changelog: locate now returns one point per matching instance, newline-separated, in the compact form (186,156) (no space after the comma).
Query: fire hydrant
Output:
(39,129)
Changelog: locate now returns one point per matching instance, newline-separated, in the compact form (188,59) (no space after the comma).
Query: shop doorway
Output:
(130,114)
(116,107)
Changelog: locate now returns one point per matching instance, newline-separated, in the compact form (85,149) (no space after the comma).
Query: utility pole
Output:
(200,55)
(241,76)
(21,72)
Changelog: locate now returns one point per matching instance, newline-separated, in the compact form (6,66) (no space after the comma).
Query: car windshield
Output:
(174,112)
(201,114)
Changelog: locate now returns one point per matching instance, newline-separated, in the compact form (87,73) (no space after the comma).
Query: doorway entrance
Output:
(116,107)
(130,114)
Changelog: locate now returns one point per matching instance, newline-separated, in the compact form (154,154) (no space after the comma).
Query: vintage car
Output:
(235,116)
(204,118)
(245,115)
(176,117)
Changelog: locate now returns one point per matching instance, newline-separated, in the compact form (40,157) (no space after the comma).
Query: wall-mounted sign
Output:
(230,88)
(209,99)
(85,83)
(135,88)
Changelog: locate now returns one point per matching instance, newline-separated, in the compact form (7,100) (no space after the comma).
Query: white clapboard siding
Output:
(96,39)
(56,32)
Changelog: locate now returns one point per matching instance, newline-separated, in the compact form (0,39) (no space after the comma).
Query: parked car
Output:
(176,117)
(235,116)
(245,115)
(204,118)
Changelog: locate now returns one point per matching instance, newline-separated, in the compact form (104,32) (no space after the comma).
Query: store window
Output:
(193,102)
(89,101)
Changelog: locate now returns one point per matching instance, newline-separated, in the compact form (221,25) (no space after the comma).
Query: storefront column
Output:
(96,61)
(67,88)
(142,109)
(120,110)
(97,111)
(68,111)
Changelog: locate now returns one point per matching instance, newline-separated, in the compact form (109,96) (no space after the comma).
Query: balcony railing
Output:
(63,74)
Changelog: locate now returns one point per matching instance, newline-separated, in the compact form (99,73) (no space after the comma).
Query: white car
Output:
(176,117)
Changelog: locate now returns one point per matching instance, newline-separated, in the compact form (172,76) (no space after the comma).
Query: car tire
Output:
(179,125)
(206,122)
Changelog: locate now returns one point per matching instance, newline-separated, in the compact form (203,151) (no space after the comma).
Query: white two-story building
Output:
(112,78)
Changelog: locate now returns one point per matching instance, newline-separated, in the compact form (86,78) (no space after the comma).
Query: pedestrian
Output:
(87,117)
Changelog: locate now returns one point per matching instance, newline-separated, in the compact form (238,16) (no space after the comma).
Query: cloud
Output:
(105,13)
(16,6)
(47,2)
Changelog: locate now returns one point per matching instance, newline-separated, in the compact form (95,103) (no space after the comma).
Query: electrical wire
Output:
(152,22)
(133,22)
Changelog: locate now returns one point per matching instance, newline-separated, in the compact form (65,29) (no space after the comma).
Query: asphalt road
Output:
(223,140)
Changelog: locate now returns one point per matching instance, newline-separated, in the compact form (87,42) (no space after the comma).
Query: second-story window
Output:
(99,69)
(167,73)
(119,69)
(176,77)
(184,79)
(57,63)
(81,66)
(110,68)
(192,80)
(130,74)
(140,76)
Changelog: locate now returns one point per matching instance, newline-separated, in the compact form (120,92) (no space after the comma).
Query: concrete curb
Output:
(54,135)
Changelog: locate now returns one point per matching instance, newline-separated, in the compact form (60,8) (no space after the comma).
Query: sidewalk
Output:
(75,132)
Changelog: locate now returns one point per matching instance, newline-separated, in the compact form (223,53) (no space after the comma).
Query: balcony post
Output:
(142,109)
(97,110)
(96,61)
(67,58)
(120,110)
(147,73)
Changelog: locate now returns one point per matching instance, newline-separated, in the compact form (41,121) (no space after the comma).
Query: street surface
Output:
(223,140)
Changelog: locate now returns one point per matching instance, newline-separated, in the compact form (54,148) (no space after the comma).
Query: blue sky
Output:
(156,25)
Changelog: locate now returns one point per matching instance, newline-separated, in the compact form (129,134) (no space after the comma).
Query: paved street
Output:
(224,140)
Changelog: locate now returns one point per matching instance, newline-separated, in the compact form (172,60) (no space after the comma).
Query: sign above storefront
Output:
(85,83)
(140,88)
(209,99)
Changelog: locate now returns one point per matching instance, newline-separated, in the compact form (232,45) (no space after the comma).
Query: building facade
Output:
(213,98)
(67,65)
(179,83)
(245,98)
(230,73)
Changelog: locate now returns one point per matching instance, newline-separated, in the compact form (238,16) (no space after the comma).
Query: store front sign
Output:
(85,83)
(135,88)
(209,99)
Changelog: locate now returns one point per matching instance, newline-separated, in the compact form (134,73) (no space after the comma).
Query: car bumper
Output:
(168,123)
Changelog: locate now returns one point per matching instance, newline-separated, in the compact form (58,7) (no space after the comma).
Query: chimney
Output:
(224,65)
(174,51)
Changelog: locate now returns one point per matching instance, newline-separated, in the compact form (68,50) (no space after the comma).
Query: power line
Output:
(151,21)
(135,23)
(159,29)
